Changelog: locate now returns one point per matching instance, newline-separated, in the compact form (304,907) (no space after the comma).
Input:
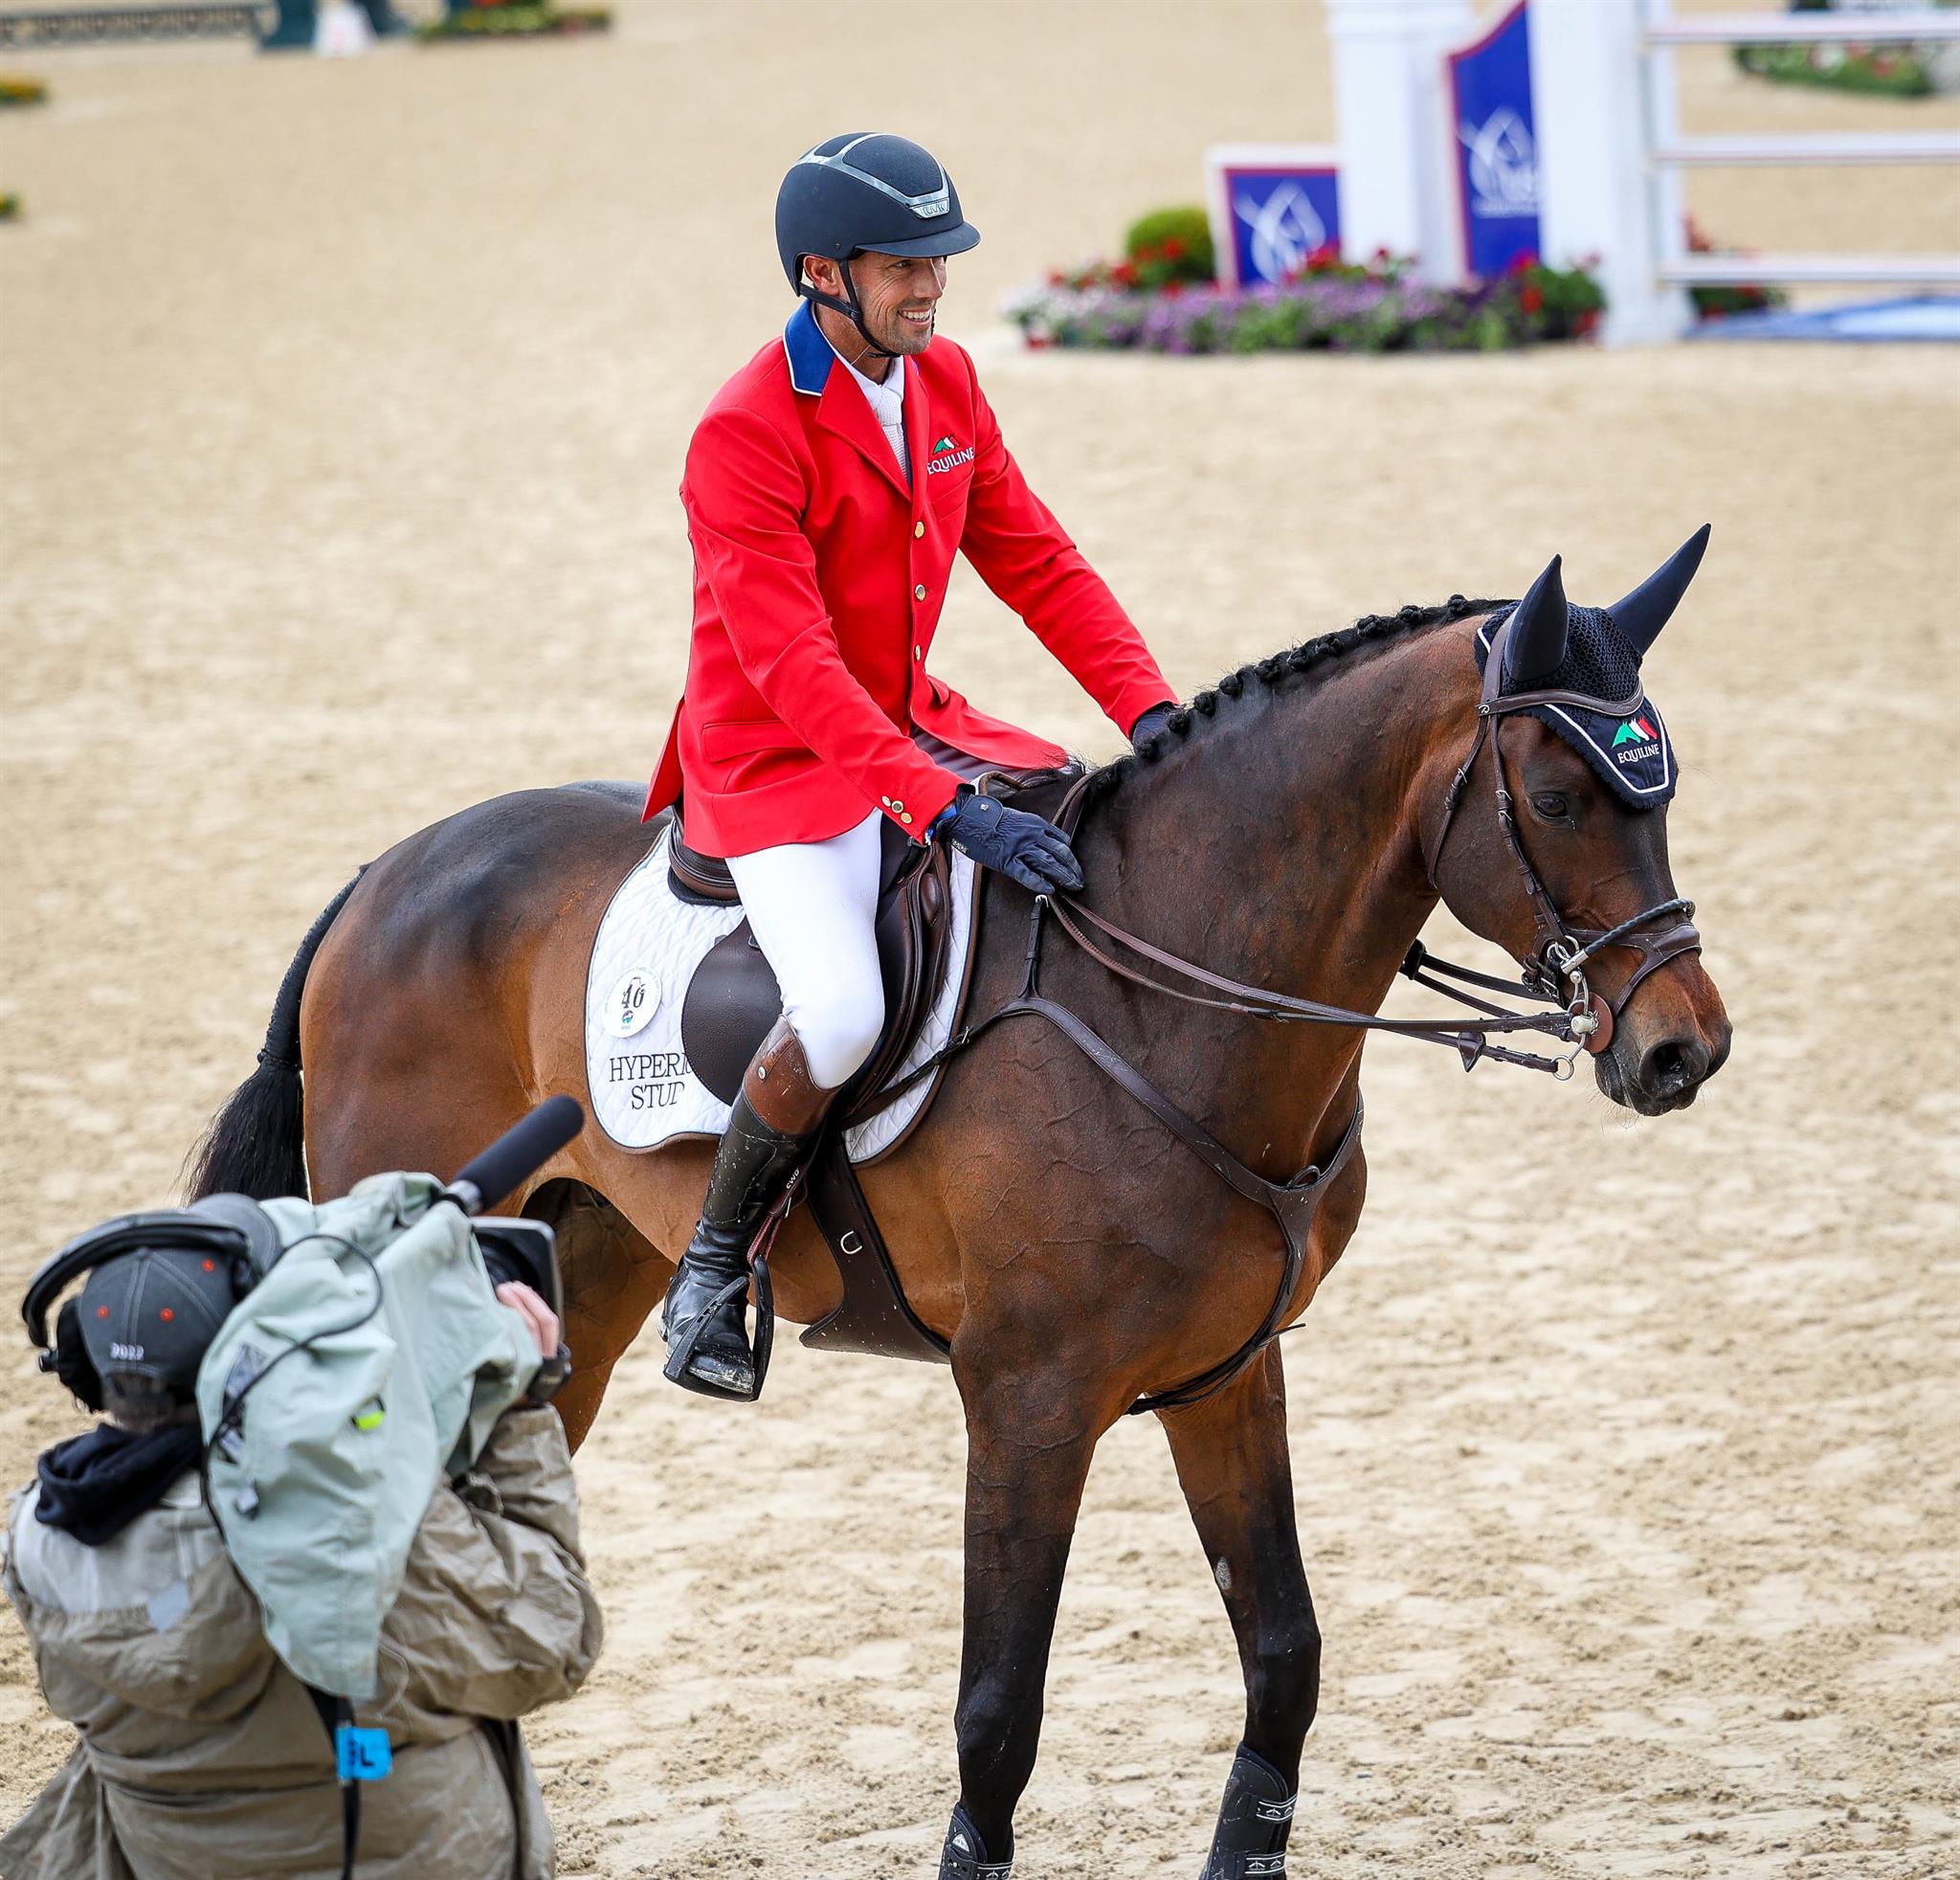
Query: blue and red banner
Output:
(1496,146)
(1271,210)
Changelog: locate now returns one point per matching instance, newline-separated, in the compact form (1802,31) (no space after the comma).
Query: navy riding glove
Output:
(1150,723)
(1025,849)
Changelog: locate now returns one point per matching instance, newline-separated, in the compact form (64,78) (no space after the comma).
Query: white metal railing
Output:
(1813,270)
(1811,30)
(1669,152)
(1823,147)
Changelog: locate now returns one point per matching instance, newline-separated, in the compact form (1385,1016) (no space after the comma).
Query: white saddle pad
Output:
(642,1088)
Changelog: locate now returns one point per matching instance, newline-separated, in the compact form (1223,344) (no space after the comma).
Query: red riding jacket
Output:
(818,579)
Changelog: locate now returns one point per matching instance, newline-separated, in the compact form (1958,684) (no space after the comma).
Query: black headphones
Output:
(218,1228)
(239,1231)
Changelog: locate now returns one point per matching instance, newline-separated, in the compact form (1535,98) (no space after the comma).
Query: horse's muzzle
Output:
(1668,1073)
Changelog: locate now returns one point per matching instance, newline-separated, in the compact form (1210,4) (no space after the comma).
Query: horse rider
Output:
(827,489)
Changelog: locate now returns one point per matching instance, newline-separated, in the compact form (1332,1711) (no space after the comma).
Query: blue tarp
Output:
(1930,317)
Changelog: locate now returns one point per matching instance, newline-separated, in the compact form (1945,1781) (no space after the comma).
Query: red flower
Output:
(1523,263)
(1057,277)
(1170,289)
(1382,254)
(1323,257)
(1124,274)
(1532,300)
(1586,321)
(1172,249)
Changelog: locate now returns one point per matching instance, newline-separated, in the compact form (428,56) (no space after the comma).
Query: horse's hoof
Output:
(964,1857)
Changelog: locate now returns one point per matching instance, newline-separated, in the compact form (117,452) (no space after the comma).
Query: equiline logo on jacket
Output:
(946,454)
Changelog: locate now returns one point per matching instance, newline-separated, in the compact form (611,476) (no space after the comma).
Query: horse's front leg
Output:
(1028,1440)
(1232,1462)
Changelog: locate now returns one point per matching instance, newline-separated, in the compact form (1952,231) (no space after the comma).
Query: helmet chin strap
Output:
(850,307)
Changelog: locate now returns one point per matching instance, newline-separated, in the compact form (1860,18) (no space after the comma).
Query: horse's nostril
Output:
(1673,1065)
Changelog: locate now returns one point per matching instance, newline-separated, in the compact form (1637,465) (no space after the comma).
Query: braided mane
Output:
(1309,659)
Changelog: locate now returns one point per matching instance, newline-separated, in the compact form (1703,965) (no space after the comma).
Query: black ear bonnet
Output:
(1630,750)
(1594,655)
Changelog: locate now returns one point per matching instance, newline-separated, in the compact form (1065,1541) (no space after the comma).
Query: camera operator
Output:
(201,1756)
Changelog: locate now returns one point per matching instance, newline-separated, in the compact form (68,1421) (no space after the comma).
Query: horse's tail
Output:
(256,1143)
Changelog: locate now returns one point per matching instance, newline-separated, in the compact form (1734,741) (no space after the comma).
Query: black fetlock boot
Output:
(1254,1820)
(705,1322)
(965,1855)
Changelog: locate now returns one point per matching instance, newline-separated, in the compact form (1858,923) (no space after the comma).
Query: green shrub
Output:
(1171,244)
(10,206)
(518,22)
(16,90)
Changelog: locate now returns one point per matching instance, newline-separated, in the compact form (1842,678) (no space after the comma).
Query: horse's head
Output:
(1553,841)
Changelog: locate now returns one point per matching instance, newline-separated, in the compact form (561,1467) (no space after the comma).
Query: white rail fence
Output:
(1606,142)
(1662,33)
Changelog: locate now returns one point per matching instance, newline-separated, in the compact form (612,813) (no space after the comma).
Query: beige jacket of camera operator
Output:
(203,1758)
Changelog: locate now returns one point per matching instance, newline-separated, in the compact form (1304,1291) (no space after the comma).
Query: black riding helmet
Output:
(866,189)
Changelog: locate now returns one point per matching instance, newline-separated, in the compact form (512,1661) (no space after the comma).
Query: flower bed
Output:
(500,22)
(1891,69)
(1329,306)
(1718,302)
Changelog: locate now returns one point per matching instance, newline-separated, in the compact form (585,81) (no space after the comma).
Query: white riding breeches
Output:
(813,907)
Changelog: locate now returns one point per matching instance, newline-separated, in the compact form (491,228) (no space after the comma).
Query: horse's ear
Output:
(1649,608)
(1539,624)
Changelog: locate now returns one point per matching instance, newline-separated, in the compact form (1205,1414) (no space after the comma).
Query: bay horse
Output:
(1295,826)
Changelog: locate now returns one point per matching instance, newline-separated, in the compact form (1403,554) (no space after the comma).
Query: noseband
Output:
(1555,968)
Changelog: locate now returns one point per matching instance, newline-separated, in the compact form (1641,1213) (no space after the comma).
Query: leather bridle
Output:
(1556,967)
(1554,971)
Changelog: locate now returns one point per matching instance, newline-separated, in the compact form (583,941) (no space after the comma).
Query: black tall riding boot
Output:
(705,1320)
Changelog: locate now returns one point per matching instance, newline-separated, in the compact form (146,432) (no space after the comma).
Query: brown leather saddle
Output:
(732,1001)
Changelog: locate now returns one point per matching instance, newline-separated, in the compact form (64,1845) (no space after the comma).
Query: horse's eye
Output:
(1553,809)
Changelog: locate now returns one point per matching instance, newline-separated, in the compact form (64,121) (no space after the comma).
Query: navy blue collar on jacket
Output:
(810,354)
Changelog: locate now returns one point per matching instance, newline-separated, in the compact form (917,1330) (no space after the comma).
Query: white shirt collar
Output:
(887,398)
(887,395)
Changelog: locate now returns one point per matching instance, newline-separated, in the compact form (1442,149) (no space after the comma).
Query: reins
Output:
(1560,956)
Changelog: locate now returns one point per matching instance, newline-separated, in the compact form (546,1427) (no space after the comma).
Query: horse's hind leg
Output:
(613,1276)
(1027,1456)
(1232,1462)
